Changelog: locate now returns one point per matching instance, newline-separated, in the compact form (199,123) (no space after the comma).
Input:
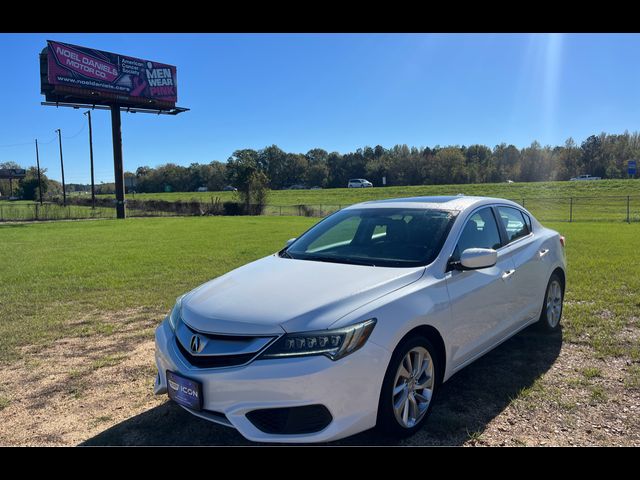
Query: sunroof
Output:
(438,199)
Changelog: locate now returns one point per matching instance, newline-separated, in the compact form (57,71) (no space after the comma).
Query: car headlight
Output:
(174,316)
(334,344)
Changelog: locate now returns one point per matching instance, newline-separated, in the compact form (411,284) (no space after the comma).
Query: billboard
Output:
(75,74)
(12,173)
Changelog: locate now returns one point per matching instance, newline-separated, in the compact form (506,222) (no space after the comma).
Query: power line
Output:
(16,145)
(76,134)
(28,143)
(53,139)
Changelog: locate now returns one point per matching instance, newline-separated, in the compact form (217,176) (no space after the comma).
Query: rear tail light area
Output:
(562,241)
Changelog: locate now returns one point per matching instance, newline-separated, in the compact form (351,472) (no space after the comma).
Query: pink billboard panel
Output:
(96,70)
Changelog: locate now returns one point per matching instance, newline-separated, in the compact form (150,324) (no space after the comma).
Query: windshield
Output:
(386,237)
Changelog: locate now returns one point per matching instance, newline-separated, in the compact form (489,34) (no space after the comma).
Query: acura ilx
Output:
(357,322)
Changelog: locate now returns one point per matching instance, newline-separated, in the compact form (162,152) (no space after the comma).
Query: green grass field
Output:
(64,278)
(347,196)
(604,200)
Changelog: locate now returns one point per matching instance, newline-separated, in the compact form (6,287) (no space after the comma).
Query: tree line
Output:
(603,155)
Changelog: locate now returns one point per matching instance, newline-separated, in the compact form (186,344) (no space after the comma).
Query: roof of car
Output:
(451,202)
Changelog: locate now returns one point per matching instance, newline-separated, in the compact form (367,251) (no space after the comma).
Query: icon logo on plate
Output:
(174,385)
(196,344)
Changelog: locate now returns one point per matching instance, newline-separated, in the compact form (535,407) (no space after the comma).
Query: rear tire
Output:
(409,387)
(552,304)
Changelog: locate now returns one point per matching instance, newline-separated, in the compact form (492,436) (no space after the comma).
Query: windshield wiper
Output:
(285,254)
(349,261)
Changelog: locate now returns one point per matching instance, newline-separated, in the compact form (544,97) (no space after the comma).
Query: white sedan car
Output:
(357,322)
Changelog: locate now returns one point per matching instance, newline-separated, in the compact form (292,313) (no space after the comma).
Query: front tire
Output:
(408,388)
(552,306)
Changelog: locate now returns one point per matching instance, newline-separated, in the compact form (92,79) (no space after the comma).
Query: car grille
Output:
(291,420)
(218,350)
(214,361)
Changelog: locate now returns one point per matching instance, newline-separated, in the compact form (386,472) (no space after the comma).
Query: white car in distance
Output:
(358,322)
(359,183)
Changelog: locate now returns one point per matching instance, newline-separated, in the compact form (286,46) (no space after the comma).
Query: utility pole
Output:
(93,187)
(116,132)
(38,164)
(64,190)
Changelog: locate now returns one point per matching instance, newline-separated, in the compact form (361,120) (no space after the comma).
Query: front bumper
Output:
(349,388)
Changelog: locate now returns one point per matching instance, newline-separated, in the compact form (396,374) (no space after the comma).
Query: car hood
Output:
(275,295)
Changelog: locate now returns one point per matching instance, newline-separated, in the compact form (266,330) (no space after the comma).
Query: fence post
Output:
(523,202)
(570,209)
(628,216)
(280,210)
(36,205)
(1,217)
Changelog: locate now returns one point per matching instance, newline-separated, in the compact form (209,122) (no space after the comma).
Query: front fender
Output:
(423,303)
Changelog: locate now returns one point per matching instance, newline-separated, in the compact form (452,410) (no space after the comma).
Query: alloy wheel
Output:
(554,303)
(413,387)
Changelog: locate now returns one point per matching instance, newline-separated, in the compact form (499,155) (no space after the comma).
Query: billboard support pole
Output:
(39,179)
(116,132)
(93,185)
(64,189)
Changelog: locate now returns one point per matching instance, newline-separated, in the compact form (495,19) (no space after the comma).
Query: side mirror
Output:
(475,258)
(289,242)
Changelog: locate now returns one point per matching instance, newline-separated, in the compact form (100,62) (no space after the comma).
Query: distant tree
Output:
(273,161)
(317,174)
(127,181)
(592,158)
(244,172)
(318,168)
(317,155)
(381,167)
(378,151)
(9,164)
(4,183)
(604,155)
(449,166)
(569,160)
(28,189)
(54,188)
(531,163)
(480,164)
(297,166)
(217,176)
(338,176)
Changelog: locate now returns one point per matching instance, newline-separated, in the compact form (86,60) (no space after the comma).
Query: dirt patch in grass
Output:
(581,400)
(71,389)
(535,389)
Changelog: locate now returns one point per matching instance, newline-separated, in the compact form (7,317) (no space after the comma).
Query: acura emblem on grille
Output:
(196,344)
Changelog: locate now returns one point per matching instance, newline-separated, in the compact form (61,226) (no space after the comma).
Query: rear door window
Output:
(514,223)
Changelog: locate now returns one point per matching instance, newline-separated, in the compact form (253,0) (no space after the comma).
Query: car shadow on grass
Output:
(461,410)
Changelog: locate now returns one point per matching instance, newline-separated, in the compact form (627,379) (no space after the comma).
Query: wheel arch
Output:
(562,275)
(433,335)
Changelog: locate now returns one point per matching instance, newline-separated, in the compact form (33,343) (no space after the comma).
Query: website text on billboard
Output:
(96,70)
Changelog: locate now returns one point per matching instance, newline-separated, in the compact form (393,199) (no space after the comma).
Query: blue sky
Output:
(334,91)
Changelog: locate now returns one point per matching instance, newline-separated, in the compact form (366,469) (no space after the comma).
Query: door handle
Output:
(543,252)
(507,274)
